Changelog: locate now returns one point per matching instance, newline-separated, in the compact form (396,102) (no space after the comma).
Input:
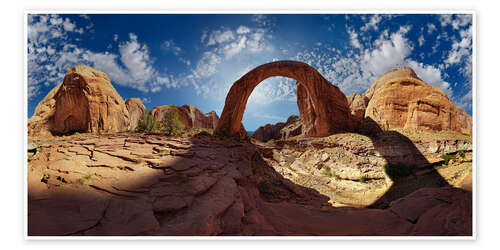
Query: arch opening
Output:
(322,106)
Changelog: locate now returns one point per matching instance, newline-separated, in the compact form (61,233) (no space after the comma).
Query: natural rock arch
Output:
(323,107)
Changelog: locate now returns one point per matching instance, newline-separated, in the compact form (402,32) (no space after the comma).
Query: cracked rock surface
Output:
(144,184)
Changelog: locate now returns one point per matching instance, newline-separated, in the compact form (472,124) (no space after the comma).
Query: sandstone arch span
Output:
(323,107)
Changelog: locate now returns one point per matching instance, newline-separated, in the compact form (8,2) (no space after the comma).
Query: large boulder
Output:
(399,99)
(189,115)
(85,102)
(136,111)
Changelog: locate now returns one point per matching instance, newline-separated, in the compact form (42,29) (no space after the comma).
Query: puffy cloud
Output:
(170,46)
(206,66)
(242,30)
(354,72)
(50,40)
(462,48)
(217,36)
(273,90)
(236,47)
(431,75)
(455,20)
(353,39)
(389,54)
(372,24)
(135,57)
(46,35)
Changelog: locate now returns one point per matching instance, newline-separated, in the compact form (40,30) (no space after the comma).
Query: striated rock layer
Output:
(85,102)
(189,115)
(322,106)
(399,99)
(136,110)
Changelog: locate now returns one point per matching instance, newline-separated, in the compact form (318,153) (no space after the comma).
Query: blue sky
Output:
(194,59)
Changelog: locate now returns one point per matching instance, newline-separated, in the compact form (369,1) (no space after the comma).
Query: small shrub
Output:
(326,171)
(448,157)
(171,123)
(362,179)
(147,124)
(85,179)
(461,153)
(397,171)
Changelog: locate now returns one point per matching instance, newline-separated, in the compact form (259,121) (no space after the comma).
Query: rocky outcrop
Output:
(39,123)
(322,106)
(189,115)
(268,132)
(136,111)
(280,130)
(293,127)
(85,102)
(357,105)
(399,99)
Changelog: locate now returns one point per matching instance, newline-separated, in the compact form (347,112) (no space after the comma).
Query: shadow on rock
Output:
(210,186)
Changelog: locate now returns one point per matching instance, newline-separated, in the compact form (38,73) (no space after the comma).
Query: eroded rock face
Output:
(323,107)
(189,115)
(85,102)
(357,105)
(136,111)
(280,130)
(399,99)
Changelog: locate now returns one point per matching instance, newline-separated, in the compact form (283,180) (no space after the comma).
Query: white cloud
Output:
(456,20)
(146,100)
(131,67)
(218,36)
(421,40)
(242,30)
(115,37)
(462,48)
(135,57)
(273,90)
(206,66)
(389,54)
(68,25)
(372,24)
(431,28)
(431,75)
(353,39)
(45,34)
(354,73)
(236,47)
(170,46)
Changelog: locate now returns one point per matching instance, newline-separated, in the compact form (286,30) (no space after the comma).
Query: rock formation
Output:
(399,99)
(136,111)
(357,105)
(322,106)
(85,102)
(280,130)
(189,115)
